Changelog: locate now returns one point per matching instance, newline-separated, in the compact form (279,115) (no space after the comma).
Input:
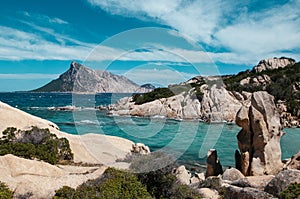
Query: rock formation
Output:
(217,105)
(80,79)
(42,179)
(282,180)
(232,174)
(183,176)
(140,149)
(294,162)
(259,139)
(273,63)
(213,165)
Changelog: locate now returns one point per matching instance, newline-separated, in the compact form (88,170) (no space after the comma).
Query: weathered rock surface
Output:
(40,178)
(217,105)
(80,79)
(257,182)
(140,149)
(259,139)
(273,63)
(294,163)
(183,176)
(232,174)
(213,165)
(88,148)
(282,180)
(208,193)
(233,192)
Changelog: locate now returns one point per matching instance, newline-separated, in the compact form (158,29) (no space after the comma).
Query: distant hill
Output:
(81,79)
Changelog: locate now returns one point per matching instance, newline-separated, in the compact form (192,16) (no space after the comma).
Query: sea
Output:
(187,141)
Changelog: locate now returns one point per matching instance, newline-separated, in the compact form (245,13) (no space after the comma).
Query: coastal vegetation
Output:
(36,143)
(292,191)
(144,179)
(112,184)
(5,192)
(172,90)
(284,84)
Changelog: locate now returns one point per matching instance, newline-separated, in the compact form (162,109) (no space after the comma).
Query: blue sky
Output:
(39,39)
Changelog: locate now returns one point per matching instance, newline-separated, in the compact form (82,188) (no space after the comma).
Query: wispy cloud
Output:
(28,76)
(19,45)
(44,18)
(245,35)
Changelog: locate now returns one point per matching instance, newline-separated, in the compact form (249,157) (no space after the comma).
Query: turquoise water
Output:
(188,141)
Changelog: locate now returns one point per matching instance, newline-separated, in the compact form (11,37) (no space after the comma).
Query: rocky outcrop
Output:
(140,148)
(261,80)
(232,174)
(217,105)
(87,148)
(273,63)
(294,163)
(208,193)
(282,180)
(234,192)
(286,118)
(257,182)
(183,176)
(80,79)
(213,165)
(40,179)
(259,139)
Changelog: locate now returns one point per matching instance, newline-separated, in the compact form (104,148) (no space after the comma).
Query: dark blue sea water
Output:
(188,141)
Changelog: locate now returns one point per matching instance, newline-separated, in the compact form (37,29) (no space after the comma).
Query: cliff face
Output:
(81,79)
(273,63)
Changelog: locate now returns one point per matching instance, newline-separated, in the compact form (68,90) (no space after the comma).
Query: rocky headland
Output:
(219,98)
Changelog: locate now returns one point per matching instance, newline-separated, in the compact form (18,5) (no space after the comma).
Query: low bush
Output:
(112,184)
(36,143)
(291,192)
(5,192)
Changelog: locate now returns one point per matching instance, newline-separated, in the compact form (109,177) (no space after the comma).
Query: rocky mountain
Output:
(218,98)
(81,79)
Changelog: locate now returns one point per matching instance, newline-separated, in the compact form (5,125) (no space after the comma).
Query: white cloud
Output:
(44,18)
(19,45)
(248,35)
(277,29)
(197,18)
(29,76)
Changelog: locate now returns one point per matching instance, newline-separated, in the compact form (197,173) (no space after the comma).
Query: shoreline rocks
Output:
(213,165)
(217,105)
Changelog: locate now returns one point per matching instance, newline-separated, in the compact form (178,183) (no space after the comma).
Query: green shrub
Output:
(291,192)
(64,192)
(155,172)
(112,184)
(5,192)
(36,143)
(172,90)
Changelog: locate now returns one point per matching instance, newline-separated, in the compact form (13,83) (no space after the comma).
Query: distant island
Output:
(81,79)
